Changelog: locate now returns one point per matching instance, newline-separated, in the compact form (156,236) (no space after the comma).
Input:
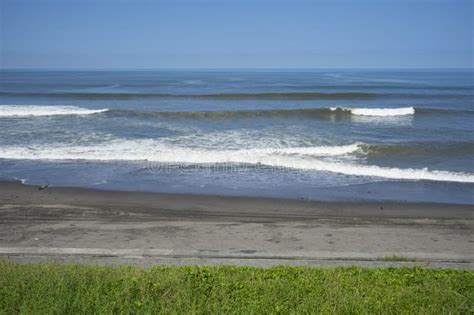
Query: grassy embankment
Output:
(69,289)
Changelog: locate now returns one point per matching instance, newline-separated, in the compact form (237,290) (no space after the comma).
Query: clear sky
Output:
(236,34)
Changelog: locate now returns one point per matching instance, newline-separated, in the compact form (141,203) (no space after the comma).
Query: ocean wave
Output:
(303,112)
(158,151)
(39,110)
(379,112)
(298,158)
(338,112)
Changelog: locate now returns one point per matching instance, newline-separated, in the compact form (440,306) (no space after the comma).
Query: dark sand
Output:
(84,225)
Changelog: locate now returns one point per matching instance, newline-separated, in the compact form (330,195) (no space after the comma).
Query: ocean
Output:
(333,135)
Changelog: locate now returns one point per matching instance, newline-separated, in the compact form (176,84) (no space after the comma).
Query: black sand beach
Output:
(93,226)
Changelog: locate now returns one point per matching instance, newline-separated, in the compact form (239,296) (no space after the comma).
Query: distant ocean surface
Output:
(345,135)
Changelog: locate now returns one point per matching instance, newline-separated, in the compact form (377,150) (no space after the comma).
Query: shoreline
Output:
(19,193)
(95,226)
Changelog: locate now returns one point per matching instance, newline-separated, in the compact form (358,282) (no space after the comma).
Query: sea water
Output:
(351,135)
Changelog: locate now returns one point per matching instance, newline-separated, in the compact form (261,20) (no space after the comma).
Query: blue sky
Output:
(236,34)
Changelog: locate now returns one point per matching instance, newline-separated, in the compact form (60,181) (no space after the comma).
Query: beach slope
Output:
(94,226)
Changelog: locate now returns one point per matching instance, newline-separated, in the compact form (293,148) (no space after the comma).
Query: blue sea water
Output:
(352,135)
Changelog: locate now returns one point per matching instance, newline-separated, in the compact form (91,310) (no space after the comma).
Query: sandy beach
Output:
(94,226)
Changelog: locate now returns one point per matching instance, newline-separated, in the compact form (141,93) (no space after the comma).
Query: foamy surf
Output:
(157,151)
(39,110)
(380,112)
(315,151)
(306,158)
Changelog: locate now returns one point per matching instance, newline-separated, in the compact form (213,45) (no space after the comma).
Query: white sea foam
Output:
(40,110)
(158,151)
(311,158)
(380,112)
(315,151)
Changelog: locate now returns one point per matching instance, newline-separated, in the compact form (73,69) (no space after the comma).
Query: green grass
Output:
(71,289)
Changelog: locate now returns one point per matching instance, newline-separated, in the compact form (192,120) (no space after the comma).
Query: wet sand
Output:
(94,226)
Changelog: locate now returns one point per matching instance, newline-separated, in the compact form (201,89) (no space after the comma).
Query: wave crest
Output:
(380,112)
(324,113)
(39,110)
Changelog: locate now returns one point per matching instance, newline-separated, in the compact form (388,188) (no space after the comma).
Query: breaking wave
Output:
(380,112)
(37,110)
(299,158)
(52,110)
